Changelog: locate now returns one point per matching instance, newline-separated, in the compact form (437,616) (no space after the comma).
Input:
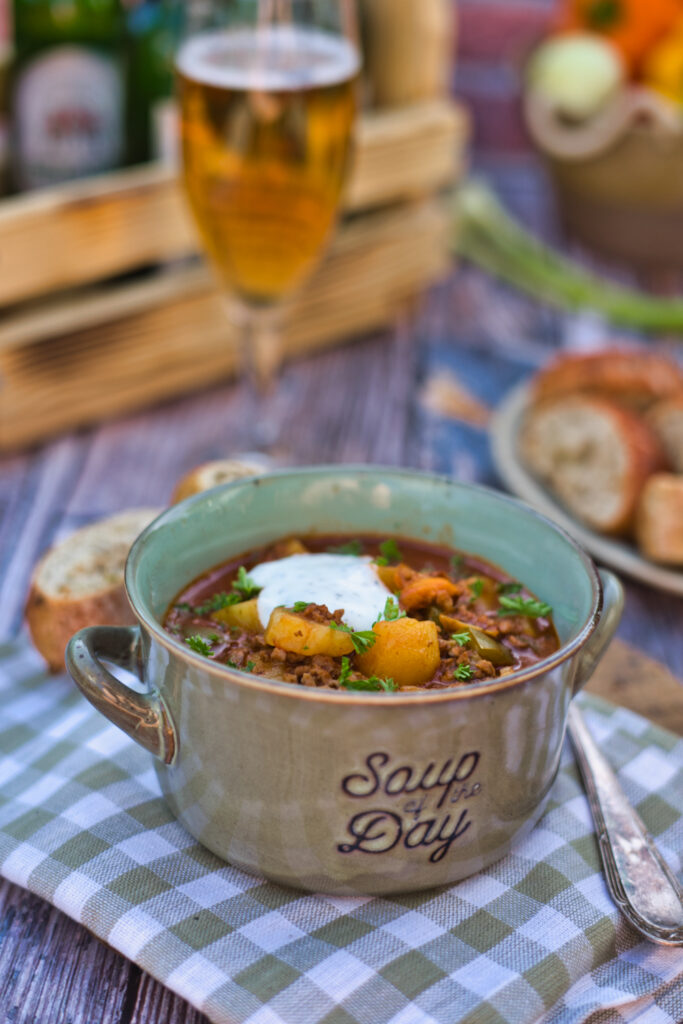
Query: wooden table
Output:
(361,403)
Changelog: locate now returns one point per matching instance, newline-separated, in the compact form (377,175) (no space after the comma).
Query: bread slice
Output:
(594,456)
(212,474)
(666,419)
(659,523)
(630,377)
(79,582)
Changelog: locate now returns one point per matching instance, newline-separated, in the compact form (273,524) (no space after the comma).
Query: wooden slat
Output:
(181,340)
(87,231)
(629,678)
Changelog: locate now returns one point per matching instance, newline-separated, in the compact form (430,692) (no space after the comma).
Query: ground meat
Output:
(465,592)
(321,613)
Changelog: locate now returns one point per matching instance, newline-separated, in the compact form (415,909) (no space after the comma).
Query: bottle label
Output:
(68,115)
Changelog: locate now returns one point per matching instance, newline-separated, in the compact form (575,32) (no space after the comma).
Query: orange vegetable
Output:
(421,591)
(633,26)
(663,66)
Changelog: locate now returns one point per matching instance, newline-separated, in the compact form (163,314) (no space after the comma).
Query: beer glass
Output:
(267,94)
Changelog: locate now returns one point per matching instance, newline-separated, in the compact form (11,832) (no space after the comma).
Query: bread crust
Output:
(659,526)
(52,623)
(633,378)
(57,607)
(666,419)
(212,474)
(560,463)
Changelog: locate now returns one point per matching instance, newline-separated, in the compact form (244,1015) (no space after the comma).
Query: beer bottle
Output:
(68,92)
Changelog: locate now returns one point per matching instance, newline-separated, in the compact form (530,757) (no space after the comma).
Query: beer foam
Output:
(271,58)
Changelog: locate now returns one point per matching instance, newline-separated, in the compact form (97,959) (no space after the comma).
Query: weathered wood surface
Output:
(359,403)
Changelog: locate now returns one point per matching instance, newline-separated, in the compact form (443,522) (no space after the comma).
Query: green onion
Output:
(485,234)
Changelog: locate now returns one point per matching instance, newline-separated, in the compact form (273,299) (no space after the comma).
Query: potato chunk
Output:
(406,650)
(387,574)
(240,616)
(292,632)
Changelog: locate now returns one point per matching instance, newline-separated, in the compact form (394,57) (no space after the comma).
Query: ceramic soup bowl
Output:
(347,792)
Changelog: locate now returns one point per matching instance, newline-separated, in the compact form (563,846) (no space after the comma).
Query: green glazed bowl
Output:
(349,792)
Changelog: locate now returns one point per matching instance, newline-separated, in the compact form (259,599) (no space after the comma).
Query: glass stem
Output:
(259,332)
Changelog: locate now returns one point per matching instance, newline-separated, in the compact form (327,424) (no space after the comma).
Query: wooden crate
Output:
(76,346)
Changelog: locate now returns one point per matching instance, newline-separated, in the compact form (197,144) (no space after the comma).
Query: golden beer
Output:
(267,116)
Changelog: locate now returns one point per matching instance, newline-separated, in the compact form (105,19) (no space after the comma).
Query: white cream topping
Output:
(338,581)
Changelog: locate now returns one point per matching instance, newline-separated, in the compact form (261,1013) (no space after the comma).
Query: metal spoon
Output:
(641,883)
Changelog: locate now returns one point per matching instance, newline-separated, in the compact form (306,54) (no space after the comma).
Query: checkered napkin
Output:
(534,938)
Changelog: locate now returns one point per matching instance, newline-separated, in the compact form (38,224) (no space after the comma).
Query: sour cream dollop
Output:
(338,581)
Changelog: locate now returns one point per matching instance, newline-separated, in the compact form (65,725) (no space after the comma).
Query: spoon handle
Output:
(641,883)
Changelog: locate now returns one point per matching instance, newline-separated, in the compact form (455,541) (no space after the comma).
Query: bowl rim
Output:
(353,698)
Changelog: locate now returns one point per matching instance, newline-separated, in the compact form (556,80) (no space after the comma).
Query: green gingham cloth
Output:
(535,938)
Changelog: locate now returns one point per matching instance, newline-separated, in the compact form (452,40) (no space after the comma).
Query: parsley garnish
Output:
(183,607)
(391,611)
(245,586)
(217,602)
(528,606)
(509,588)
(249,667)
(362,641)
(243,589)
(372,685)
(463,672)
(199,644)
(456,562)
(475,588)
(345,673)
(352,547)
(461,638)
(389,552)
(300,606)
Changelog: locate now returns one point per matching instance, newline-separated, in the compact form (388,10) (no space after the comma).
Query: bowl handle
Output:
(612,607)
(143,716)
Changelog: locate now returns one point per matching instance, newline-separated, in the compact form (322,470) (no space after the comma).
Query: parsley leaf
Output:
(388,685)
(345,674)
(245,586)
(463,672)
(461,638)
(362,641)
(389,551)
(352,547)
(249,667)
(183,606)
(216,602)
(509,588)
(391,611)
(475,588)
(528,606)
(300,606)
(372,685)
(199,644)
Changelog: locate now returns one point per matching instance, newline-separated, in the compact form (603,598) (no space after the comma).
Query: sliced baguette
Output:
(630,377)
(594,456)
(666,419)
(79,582)
(659,524)
(212,474)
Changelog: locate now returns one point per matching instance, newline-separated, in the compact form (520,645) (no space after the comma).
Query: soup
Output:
(366,614)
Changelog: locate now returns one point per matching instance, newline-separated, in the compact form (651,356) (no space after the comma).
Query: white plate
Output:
(505,429)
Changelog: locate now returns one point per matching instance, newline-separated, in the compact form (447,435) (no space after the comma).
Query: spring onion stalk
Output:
(489,237)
